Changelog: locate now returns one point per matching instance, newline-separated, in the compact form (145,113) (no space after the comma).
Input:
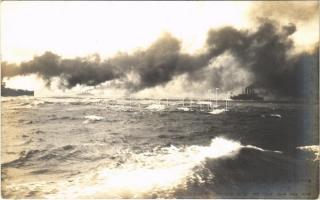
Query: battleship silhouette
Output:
(5,92)
(248,94)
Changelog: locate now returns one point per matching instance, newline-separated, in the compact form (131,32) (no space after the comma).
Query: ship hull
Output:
(247,98)
(7,92)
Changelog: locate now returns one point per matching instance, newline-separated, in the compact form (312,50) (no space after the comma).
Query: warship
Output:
(248,94)
(6,92)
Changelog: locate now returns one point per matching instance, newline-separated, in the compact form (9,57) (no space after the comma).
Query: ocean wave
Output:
(156,107)
(313,149)
(60,153)
(54,117)
(22,105)
(7,99)
(23,158)
(38,102)
(157,172)
(260,149)
(183,109)
(217,111)
(92,118)
(272,115)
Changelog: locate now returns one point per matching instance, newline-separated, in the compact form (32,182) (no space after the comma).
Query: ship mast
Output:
(216,97)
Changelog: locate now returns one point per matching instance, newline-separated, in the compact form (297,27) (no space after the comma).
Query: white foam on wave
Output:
(163,169)
(156,107)
(217,111)
(92,118)
(260,149)
(38,102)
(272,115)
(183,109)
(275,115)
(315,149)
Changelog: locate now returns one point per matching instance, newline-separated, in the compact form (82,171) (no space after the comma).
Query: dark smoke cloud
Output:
(265,52)
(156,65)
(160,63)
(9,70)
(86,71)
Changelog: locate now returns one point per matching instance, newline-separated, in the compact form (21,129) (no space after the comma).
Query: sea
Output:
(93,148)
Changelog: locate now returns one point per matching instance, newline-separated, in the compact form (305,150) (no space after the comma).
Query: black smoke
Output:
(160,63)
(85,71)
(265,52)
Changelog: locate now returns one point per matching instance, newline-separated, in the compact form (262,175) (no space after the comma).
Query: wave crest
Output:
(162,169)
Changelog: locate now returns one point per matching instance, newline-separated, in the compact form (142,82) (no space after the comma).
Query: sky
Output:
(78,29)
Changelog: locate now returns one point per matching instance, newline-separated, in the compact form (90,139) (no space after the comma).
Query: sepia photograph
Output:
(159,99)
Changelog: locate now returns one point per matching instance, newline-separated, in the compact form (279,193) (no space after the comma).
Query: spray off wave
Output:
(160,172)
(92,118)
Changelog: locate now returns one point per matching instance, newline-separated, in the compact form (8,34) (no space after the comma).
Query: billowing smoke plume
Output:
(87,71)
(265,52)
(159,64)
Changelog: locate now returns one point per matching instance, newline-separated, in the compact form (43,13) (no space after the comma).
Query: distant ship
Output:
(6,92)
(248,94)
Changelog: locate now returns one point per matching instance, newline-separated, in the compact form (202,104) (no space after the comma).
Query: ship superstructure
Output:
(248,94)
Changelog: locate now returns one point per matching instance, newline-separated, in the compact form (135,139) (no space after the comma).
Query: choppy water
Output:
(103,148)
